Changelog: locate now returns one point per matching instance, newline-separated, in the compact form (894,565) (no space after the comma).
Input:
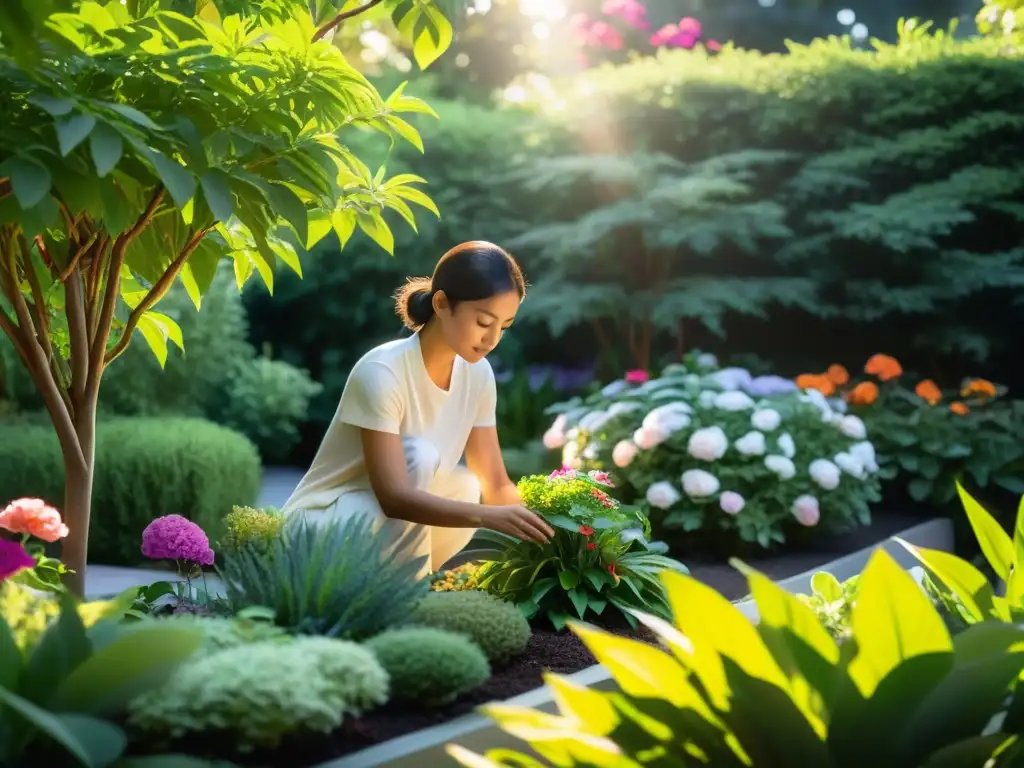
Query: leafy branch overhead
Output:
(146,141)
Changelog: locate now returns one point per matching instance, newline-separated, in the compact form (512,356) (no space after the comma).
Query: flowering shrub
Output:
(173,537)
(925,436)
(599,555)
(833,602)
(720,450)
(246,526)
(26,561)
(457,579)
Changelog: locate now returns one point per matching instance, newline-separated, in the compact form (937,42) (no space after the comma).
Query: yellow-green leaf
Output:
(434,39)
(556,738)
(1018,535)
(995,544)
(344,223)
(827,586)
(158,329)
(405,130)
(967,583)
(893,621)
(188,280)
(591,709)
(319,226)
(416,196)
(287,254)
(375,226)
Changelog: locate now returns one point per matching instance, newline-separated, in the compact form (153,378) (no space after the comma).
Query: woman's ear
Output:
(440,302)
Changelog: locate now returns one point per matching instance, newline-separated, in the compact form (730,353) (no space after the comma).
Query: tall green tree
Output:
(144,142)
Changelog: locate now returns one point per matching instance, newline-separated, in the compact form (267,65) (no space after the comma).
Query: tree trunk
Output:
(79,466)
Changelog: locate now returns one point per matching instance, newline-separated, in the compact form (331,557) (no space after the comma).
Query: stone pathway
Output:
(102,581)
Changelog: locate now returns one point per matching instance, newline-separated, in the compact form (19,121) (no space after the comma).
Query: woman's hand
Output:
(518,521)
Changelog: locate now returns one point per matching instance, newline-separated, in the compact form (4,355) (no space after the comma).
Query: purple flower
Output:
(764,386)
(172,537)
(13,558)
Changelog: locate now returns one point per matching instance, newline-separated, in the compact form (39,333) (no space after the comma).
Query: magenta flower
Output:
(637,376)
(630,11)
(172,537)
(13,558)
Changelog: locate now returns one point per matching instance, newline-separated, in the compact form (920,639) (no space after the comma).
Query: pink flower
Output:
(630,11)
(806,511)
(13,558)
(623,453)
(601,477)
(663,35)
(586,530)
(731,503)
(34,517)
(690,26)
(637,376)
(567,472)
(172,537)
(645,439)
(604,35)
(713,45)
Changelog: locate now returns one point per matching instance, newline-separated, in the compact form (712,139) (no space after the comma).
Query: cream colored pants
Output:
(438,544)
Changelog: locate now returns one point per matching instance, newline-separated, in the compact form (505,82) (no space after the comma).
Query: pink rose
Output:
(806,511)
(731,503)
(34,517)
(623,453)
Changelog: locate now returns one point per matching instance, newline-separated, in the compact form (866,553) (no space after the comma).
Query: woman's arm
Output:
(484,459)
(389,478)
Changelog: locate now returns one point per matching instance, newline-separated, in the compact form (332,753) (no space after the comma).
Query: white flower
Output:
(765,419)
(731,503)
(662,494)
(590,421)
(751,444)
(646,439)
(838,405)
(668,418)
(554,439)
(707,398)
(691,380)
(806,510)
(825,473)
(571,456)
(818,400)
(590,452)
(733,401)
(559,422)
(865,451)
(699,484)
(708,444)
(853,427)
(624,406)
(612,389)
(572,434)
(669,393)
(786,445)
(707,360)
(780,465)
(850,464)
(623,453)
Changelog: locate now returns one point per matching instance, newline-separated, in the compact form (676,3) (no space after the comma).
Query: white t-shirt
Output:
(390,391)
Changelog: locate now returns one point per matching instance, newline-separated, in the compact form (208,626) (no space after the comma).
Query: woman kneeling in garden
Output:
(413,407)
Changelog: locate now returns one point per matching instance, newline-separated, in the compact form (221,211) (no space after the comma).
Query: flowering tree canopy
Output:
(146,141)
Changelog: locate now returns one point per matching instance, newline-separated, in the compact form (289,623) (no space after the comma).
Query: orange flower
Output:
(978,387)
(884,367)
(864,393)
(817,381)
(959,409)
(837,374)
(34,517)
(928,391)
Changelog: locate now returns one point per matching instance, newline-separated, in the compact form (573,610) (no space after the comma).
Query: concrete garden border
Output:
(425,748)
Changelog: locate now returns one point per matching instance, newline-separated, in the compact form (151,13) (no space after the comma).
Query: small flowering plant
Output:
(175,538)
(927,436)
(600,555)
(716,449)
(35,524)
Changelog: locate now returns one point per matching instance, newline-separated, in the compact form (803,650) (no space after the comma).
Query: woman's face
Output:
(474,328)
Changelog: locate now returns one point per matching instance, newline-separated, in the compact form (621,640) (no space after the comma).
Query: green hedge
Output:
(145,468)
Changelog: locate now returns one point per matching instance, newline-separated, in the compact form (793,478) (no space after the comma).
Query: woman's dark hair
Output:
(468,272)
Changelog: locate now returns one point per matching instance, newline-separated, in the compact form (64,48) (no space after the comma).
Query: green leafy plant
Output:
(429,666)
(258,693)
(600,554)
(963,588)
(61,688)
(724,692)
(832,602)
(725,453)
(146,142)
(497,626)
(337,578)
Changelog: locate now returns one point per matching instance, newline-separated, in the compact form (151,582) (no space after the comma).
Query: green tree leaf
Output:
(73,130)
(29,178)
(995,544)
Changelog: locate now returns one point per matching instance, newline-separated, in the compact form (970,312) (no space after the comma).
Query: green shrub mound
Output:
(145,468)
(259,693)
(496,625)
(223,633)
(429,666)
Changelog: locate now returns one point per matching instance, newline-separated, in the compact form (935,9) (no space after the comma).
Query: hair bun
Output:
(421,306)
(414,303)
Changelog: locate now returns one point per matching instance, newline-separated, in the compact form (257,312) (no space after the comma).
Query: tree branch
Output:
(157,292)
(77,257)
(38,300)
(322,32)
(106,314)
(78,330)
